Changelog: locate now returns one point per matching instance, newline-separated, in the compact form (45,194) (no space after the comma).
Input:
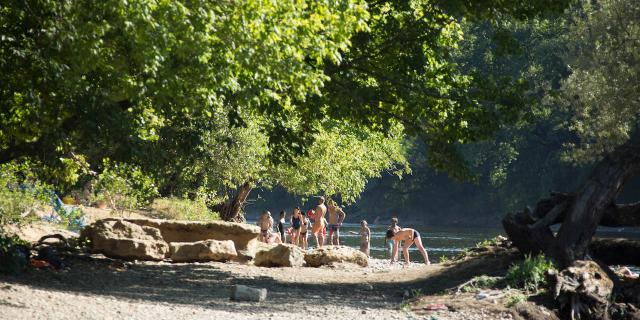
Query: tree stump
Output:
(584,291)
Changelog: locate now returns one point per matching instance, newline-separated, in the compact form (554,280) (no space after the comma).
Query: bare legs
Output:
(425,255)
(319,239)
(334,236)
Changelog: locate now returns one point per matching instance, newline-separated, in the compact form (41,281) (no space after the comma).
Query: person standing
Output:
(296,226)
(409,236)
(389,243)
(336,217)
(266,225)
(280,226)
(304,231)
(365,237)
(319,225)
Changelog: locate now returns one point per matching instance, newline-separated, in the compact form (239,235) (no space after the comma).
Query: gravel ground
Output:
(100,288)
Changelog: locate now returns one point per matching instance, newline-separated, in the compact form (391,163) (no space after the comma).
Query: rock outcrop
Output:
(335,254)
(126,240)
(208,250)
(244,236)
(282,255)
(147,239)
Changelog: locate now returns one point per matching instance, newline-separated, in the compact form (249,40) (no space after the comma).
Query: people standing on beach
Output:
(409,236)
(296,226)
(336,217)
(280,226)
(319,223)
(304,231)
(389,243)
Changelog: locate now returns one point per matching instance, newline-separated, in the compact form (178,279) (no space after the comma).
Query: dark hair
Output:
(391,233)
(282,213)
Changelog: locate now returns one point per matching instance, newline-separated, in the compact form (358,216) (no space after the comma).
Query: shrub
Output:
(14,254)
(182,209)
(529,274)
(125,186)
(20,192)
(514,299)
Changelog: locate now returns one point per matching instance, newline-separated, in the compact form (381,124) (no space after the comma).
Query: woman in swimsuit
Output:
(409,236)
(304,231)
(266,225)
(296,225)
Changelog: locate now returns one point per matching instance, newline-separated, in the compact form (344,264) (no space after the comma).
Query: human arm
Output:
(341,216)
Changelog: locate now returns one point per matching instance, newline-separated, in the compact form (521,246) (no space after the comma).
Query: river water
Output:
(446,241)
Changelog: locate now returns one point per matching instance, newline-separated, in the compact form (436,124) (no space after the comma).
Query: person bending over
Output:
(409,236)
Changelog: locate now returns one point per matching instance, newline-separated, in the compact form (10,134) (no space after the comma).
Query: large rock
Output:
(122,239)
(282,255)
(208,250)
(244,236)
(333,254)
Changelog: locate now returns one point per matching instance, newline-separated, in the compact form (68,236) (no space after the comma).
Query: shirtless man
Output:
(266,225)
(336,217)
(318,225)
(409,236)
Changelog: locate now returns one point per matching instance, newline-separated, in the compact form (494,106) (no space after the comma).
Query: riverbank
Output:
(95,287)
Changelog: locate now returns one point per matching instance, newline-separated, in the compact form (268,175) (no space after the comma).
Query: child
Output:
(389,243)
(280,227)
(365,237)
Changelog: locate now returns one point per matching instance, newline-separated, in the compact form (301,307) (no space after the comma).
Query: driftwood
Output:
(584,291)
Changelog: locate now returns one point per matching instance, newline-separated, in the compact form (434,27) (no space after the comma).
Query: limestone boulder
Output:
(282,255)
(208,250)
(122,239)
(328,255)
(244,236)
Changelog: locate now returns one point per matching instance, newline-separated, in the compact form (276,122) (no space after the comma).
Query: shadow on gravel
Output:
(207,286)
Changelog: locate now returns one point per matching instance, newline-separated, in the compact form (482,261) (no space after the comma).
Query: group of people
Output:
(301,227)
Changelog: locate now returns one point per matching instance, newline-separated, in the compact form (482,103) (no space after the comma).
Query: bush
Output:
(124,186)
(529,274)
(14,254)
(182,209)
(20,192)
(514,299)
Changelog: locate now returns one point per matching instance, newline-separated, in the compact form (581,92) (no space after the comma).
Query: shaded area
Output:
(208,286)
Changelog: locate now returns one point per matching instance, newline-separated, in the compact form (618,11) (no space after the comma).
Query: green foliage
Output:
(603,90)
(125,186)
(182,209)
(20,192)
(514,298)
(13,254)
(529,274)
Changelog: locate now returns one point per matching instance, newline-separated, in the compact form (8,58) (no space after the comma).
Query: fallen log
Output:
(616,251)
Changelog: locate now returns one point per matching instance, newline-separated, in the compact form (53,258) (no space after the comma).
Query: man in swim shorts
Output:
(318,225)
(266,224)
(336,217)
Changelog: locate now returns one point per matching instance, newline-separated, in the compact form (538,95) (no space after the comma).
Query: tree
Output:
(602,92)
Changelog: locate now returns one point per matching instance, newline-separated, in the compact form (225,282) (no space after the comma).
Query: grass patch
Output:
(182,209)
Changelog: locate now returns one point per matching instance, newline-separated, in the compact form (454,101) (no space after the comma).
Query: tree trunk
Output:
(580,213)
(231,210)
